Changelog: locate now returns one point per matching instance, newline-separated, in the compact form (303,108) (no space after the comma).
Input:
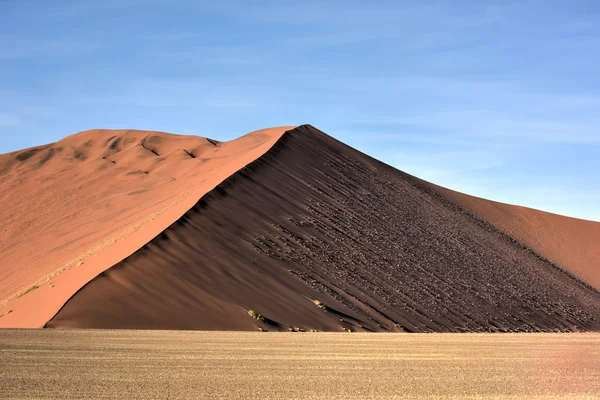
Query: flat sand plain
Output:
(243,365)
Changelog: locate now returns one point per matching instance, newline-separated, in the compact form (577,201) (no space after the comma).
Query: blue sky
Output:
(496,99)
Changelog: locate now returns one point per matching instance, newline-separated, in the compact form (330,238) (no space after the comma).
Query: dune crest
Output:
(73,208)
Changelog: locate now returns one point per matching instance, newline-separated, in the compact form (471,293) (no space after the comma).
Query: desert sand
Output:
(242,365)
(283,229)
(571,243)
(73,208)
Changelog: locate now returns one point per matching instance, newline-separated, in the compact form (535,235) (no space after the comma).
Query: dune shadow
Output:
(270,322)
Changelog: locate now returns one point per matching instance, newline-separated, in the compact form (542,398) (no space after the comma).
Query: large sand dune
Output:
(307,219)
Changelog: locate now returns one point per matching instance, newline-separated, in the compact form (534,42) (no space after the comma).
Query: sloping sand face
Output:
(76,207)
(316,235)
(571,243)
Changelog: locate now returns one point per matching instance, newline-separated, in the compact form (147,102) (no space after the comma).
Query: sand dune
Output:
(313,219)
(73,208)
(296,228)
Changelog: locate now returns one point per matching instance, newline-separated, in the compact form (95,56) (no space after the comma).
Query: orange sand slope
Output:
(73,208)
(571,243)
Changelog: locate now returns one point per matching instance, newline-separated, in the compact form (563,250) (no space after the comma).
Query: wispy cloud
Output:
(78,8)
(202,56)
(464,110)
(13,49)
(9,120)
(464,127)
(188,93)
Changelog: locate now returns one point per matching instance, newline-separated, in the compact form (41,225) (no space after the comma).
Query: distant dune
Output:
(281,229)
(572,243)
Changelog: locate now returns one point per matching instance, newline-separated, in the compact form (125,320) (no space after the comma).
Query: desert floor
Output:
(185,364)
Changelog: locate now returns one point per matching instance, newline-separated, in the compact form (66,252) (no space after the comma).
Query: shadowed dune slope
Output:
(313,219)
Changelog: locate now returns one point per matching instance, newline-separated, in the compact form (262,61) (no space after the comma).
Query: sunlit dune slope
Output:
(76,207)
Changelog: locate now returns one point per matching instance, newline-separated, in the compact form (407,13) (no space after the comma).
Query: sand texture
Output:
(248,365)
(571,243)
(315,220)
(74,208)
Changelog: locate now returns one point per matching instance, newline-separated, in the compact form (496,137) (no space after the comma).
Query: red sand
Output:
(573,244)
(307,218)
(73,208)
